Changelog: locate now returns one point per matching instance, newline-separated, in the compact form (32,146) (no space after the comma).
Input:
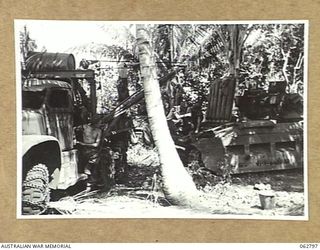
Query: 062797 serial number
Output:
(309,245)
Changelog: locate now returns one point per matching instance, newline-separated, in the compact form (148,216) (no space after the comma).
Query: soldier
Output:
(119,136)
(122,86)
(196,115)
(172,119)
(89,149)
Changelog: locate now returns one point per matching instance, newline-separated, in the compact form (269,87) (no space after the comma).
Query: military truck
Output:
(51,98)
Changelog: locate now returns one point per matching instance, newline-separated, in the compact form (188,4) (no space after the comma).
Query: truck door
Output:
(60,116)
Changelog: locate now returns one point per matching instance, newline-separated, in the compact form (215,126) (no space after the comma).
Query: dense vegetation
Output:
(199,53)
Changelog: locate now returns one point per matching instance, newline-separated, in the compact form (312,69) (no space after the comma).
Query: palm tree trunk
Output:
(285,65)
(178,184)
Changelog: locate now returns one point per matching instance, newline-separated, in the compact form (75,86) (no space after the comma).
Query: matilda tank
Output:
(260,130)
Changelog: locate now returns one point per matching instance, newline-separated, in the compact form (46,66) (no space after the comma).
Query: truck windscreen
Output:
(32,99)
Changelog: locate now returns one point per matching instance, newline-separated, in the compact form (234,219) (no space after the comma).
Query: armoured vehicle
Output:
(265,133)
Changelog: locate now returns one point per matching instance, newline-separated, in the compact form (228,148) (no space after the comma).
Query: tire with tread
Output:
(35,190)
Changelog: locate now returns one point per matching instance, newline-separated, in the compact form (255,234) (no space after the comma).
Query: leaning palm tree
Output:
(179,187)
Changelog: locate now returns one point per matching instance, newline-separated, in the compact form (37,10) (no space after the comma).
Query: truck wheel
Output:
(35,190)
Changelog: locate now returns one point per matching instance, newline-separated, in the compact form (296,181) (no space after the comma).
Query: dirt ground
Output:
(141,198)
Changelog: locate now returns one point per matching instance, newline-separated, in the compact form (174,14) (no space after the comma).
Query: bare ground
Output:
(141,197)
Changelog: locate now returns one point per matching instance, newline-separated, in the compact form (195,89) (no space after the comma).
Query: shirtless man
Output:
(90,142)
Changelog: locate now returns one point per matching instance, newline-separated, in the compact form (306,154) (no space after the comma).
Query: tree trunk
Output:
(295,78)
(178,184)
(285,65)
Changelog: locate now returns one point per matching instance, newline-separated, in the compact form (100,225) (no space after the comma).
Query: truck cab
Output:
(49,102)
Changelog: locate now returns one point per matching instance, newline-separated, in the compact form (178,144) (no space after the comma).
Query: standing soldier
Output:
(119,129)
(90,148)
(196,115)
(122,87)
(119,138)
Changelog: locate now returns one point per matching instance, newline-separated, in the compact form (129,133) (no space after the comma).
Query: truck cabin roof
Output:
(53,93)
(39,85)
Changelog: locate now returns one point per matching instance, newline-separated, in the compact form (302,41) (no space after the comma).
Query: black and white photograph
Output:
(132,119)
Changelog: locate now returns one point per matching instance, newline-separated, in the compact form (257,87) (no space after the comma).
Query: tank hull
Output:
(253,146)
